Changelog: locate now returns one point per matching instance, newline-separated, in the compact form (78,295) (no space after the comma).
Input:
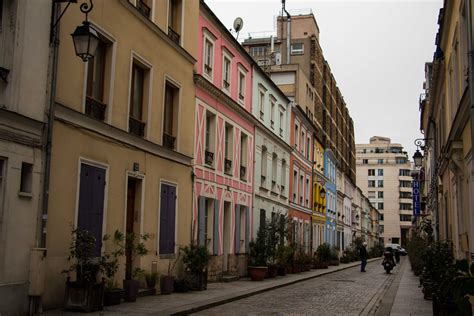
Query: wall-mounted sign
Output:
(416,197)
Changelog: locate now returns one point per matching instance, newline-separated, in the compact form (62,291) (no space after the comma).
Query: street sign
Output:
(416,197)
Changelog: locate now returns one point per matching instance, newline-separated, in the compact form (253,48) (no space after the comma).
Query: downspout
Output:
(49,126)
(288,32)
(471,101)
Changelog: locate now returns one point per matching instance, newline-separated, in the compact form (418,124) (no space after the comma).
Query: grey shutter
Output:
(167,218)
(237,228)
(201,220)
(247,228)
(215,235)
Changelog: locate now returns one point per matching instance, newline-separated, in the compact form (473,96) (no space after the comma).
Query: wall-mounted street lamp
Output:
(322,193)
(418,158)
(420,143)
(85,36)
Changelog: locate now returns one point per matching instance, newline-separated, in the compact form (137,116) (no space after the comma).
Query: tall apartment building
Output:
(384,176)
(301,48)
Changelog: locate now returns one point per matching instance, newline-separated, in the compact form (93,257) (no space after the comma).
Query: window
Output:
(170,117)
(226,72)
(283,176)
(261,104)
(365,161)
(371,194)
(274,170)
(380,161)
(241,85)
(257,51)
(405,195)
(301,189)
(404,172)
(210,132)
(264,166)
(243,157)
(263,217)
(380,206)
(272,112)
(281,124)
(95,101)
(380,183)
(405,184)
(143,6)
(400,160)
(371,183)
(405,218)
(380,217)
(371,172)
(297,48)
(308,143)
(303,139)
(136,124)
(405,206)
(295,185)
(380,172)
(229,145)
(380,195)
(26,182)
(174,20)
(307,192)
(296,136)
(208,55)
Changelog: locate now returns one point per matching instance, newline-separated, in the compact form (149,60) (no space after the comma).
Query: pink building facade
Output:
(223,148)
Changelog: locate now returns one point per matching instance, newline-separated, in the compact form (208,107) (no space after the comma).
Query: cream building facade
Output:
(123,134)
(384,176)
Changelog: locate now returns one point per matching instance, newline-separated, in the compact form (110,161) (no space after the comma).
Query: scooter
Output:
(387,265)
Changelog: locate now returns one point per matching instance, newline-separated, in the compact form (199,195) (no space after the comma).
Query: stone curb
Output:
(203,305)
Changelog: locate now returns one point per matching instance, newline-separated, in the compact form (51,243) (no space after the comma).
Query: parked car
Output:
(401,250)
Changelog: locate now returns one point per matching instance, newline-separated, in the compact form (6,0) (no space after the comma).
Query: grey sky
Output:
(376,51)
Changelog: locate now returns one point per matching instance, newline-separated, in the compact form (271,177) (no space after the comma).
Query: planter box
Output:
(86,297)
(272,272)
(113,297)
(166,284)
(281,271)
(130,288)
(257,273)
(181,286)
(444,309)
(196,282)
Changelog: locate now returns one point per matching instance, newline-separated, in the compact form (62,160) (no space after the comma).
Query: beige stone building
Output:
(24,50)
(384,176)
(123,133)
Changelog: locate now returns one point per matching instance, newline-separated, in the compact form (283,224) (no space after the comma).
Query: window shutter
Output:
(247,228)
(201,220)
(215,235)
(164,220)
(237,229)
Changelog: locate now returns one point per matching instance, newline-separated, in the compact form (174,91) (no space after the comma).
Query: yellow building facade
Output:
(319,202)
(123,134)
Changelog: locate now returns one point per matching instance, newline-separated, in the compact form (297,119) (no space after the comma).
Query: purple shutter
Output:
(167,218)
(91,203)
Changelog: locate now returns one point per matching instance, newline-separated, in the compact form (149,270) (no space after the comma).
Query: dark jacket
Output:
(363,253)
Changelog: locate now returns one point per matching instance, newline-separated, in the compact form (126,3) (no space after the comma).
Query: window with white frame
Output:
(272,111)
(210,138)
(303,140)
(295,186)
(261,103)
(226,71)
(297,48)
(281,123)
(208,54)
(301,189)
(307,191)
(296,136)
(283,176)
(241,84)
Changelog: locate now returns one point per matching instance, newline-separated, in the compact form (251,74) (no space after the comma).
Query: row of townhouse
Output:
(446,119)
(170,129)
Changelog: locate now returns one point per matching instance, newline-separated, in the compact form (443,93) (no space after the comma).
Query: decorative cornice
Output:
(82,121)
(18,128)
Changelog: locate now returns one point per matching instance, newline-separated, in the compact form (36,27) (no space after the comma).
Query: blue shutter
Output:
(247,228)
(201,220)
(215,235)
(237,228)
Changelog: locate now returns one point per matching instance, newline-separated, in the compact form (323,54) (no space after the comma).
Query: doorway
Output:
(132,223)
(226,236)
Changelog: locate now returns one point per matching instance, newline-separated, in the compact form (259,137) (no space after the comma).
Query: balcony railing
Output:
(281,132)
(143,8)
(226,84)
(173,35)
(209,158)
(136,127)
(262,180)
(227,166)
(243,173)
(168,141)
(241,97)
(95,109)
(272,124)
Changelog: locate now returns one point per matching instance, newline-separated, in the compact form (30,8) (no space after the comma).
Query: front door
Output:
(227,238)
(131,194)
(91,203)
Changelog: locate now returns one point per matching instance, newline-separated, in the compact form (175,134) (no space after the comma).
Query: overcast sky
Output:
(376,51)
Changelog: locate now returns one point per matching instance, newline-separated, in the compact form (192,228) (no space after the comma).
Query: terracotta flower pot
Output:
(257,273)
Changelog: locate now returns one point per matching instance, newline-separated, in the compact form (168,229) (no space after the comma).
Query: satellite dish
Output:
(238,24)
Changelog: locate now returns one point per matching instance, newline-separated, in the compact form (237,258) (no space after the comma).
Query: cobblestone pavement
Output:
(347,292)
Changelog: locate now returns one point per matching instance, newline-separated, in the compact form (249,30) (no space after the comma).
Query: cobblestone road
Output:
(348,292)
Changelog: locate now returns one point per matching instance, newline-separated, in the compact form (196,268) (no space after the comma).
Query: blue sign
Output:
(416,197)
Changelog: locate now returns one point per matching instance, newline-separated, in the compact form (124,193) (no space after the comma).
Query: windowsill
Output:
(228,173)
(209,166)
(27,195)
(263,189)
(167,256)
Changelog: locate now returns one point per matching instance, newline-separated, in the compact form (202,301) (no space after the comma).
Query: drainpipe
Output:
(471,101)
(288,31)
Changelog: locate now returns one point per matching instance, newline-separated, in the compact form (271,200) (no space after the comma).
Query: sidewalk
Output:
(409,298)
(216,294)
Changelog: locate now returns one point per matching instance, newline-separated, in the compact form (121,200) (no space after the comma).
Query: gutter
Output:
(471,105)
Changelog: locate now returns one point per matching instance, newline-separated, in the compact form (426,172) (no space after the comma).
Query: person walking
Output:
(363,256)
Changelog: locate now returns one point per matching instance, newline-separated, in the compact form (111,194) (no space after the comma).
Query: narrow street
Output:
(347,292)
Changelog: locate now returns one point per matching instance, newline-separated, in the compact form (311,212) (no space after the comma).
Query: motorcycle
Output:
(387,265)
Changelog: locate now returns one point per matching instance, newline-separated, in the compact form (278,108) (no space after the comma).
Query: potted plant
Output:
(323,255)
(281,260)
(86,293)
(113,294)
(131,245)
(275,233)
(167,281)
(334,261)
(196,259)
(257,265)
(150,279)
